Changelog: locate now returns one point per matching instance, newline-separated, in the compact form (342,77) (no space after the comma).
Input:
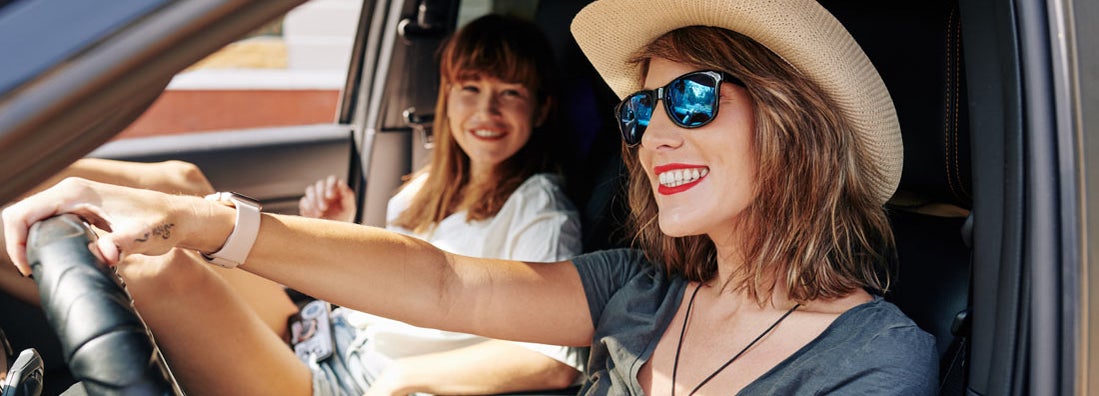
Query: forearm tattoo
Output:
(164,231)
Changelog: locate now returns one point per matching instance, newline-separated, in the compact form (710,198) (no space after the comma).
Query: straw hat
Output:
(800,31)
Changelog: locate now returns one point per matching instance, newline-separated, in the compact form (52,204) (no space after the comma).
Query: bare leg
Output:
(268,299)
(172,177)
(215,342)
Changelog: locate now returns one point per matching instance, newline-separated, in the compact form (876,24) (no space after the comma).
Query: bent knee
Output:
(189,178)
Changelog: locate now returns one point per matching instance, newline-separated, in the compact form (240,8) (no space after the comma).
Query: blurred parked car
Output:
(993,217)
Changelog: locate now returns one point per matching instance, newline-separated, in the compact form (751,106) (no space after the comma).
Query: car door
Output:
(1031,77)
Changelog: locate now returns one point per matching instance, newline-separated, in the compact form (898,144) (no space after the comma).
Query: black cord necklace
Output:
(683,331)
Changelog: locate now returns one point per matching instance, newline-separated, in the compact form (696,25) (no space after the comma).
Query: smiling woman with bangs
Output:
(490,190)
(480,160)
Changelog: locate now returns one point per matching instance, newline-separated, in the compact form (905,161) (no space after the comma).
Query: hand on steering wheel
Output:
(103,341)
(131,220)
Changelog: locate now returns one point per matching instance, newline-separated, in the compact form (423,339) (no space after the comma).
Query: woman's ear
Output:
(543,112)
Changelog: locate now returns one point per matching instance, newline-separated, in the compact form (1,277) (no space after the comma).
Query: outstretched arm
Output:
(364,268)
(350,265)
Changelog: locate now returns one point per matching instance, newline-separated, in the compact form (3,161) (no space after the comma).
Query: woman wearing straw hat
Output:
(761,145)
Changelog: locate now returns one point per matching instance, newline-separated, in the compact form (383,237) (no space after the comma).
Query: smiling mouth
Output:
(487,133)
(680,177)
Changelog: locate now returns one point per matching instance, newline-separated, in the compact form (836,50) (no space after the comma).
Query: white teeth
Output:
(486,133)
(680,177)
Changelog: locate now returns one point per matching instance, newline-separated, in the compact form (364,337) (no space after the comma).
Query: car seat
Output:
(595,180)
(916,47)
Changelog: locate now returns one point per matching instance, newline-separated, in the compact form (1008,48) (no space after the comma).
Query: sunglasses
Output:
(690,101)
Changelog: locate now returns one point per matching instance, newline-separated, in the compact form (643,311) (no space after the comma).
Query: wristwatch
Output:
(240,241)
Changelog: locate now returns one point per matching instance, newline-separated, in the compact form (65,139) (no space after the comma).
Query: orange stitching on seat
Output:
(947,125)
(957,85)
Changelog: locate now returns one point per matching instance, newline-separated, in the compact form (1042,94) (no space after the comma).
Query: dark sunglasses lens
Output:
(692,100)
(633,116)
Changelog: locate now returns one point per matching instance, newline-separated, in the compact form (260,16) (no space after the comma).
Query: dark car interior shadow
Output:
(916,47)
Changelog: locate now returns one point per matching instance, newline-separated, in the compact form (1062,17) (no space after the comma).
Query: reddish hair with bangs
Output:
(508,49)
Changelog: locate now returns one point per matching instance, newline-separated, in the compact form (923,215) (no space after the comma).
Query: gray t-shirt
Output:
(871,349)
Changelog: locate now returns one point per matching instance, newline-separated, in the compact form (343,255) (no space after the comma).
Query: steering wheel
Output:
(107,346)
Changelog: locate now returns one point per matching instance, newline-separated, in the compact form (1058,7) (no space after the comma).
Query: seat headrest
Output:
(916,47)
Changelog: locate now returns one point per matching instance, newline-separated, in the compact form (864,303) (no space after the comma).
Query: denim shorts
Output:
(351,368)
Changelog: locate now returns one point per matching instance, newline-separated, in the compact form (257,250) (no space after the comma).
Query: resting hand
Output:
(132,220)
(329,198)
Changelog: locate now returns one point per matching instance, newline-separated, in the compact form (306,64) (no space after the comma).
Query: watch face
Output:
(245,197)
(231,198)
(245,200)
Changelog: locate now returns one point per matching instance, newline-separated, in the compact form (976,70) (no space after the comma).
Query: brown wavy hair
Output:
(815,223)
(509,49)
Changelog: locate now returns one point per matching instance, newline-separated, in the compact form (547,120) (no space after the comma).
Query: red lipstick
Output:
(666,190)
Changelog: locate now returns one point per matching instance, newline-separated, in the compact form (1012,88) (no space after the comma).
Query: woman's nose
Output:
(488,103)
(661,132)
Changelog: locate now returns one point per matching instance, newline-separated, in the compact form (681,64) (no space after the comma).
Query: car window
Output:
(289,72)
(469,10)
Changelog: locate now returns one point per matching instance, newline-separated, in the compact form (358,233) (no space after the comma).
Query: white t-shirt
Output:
(537,223)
